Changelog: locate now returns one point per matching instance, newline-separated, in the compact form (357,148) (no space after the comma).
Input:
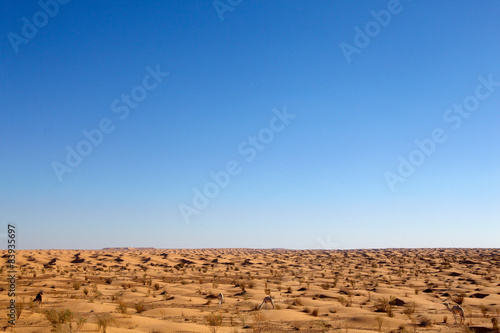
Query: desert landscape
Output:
(158,290)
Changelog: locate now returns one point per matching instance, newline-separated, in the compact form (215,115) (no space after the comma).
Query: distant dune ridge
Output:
(176,290)
(128,248)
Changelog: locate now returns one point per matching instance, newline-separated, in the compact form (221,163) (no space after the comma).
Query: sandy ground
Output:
(153,290)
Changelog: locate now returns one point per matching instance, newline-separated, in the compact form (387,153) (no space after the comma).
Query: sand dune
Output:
(156,290)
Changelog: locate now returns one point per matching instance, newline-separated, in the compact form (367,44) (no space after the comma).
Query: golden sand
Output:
(153,290)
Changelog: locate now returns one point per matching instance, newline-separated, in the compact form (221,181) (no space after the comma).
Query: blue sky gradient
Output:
(319,183)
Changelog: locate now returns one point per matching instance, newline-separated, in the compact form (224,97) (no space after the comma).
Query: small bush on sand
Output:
(213,321)
(380,322)
(62,320)
(494,322)
(122,308)
(325,285)
(140,307)
(425,321)
(459,299)
(260,323)
(483,309)
(103,322)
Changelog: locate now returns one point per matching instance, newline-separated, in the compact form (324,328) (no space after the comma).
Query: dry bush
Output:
(103,322)
(343,301)
(382,305)
(213,322)
(122,308)
(483,309)
(494,322)
(140,307)
(315,312)
(260,322)
(425,321)
(409,309)
(76,285)
(325,285)
(62,320)
(459,299)
(380,322)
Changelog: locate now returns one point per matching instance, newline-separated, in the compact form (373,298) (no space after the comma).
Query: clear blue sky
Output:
(320,179)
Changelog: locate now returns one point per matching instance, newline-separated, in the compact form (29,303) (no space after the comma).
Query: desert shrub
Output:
(140,307)
(213,322)
(62,320)
(103,322)
(315,312)
(76,285)
(409,309)
(425,321)
(483,309)
(382,305)
(157,286)
(459,299)
(260,322)
(122,308)
(494,323)
(380,322)
(389,312)
(325,286)
(344,301)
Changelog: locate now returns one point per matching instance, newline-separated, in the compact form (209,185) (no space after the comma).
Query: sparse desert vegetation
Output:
(152,290)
